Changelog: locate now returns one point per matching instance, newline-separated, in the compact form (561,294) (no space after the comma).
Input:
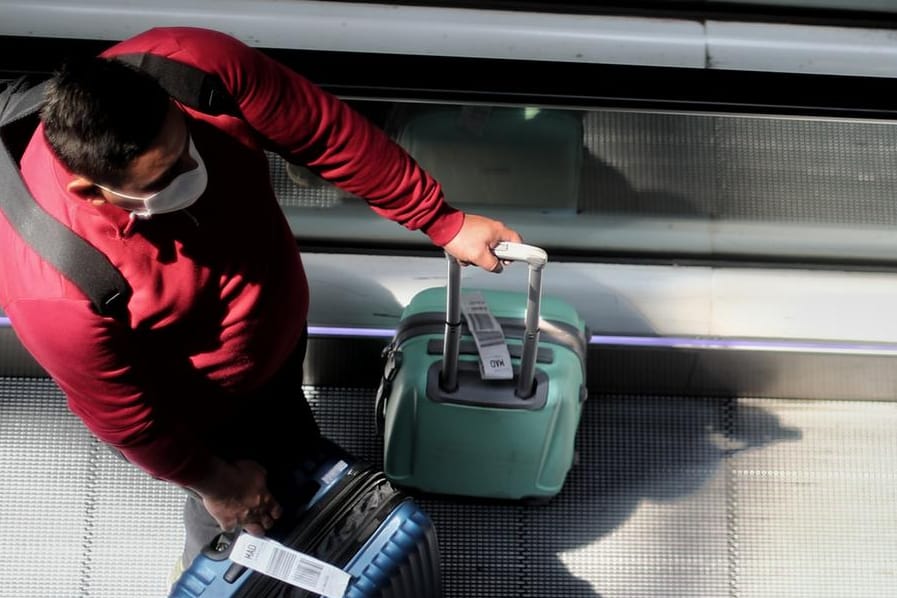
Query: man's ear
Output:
(86,190)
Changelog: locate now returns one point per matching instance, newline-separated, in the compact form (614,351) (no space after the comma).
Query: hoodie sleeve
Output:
(309,126)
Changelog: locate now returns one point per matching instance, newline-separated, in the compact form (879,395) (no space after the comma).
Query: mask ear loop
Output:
(125,195)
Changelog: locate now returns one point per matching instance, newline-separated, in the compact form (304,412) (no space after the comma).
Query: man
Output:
(199,384)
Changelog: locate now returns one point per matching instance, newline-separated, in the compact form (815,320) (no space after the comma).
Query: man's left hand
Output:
(478,236)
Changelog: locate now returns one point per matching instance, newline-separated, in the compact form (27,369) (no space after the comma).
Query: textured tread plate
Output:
(672,496)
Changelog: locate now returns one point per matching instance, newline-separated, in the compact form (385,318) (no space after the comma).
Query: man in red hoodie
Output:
(199,384)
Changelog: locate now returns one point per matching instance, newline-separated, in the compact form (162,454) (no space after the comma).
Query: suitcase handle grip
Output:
(536,258)
(520,252)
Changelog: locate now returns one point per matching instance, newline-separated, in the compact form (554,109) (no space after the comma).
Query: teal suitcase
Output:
(446,430)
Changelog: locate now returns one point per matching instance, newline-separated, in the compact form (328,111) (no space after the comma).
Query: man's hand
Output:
(478,236)
(237,496)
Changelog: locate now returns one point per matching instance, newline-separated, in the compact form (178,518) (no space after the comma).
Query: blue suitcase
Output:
(348,515)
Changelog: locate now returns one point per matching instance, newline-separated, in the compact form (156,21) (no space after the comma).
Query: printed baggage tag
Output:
(495,361)
(291,566)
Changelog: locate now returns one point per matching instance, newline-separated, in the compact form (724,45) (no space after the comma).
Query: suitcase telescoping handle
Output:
(536,258)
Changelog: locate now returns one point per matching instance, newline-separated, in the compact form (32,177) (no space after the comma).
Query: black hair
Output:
(100,114)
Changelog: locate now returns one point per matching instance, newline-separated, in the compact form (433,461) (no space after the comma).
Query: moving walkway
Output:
(731,244)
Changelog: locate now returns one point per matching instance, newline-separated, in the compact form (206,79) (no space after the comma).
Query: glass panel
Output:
(703,185)
(518,156)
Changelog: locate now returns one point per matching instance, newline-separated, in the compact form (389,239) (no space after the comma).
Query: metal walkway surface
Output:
(691,497)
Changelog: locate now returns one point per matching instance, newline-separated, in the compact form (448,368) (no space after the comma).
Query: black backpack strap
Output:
(186,83)
(79,261)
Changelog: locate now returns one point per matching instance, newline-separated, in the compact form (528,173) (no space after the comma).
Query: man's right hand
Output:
(479,235)
(237,496)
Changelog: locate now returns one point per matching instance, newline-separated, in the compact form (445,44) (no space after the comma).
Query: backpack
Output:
(76,259)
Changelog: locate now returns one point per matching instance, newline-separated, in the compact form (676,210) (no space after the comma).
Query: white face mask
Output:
(182,192)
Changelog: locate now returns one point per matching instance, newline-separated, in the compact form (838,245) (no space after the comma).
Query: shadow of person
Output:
(651,164)
(646,505)
(605,188)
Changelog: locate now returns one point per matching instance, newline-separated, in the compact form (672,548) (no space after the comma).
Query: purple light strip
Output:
(352,332)
(677,342)
(750,344)
(673,342)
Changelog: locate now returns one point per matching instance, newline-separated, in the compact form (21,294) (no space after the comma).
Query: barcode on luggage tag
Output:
(495,360)
(287,565)
(291,566)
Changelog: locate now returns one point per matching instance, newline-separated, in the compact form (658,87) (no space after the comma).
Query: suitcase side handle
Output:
(536,258)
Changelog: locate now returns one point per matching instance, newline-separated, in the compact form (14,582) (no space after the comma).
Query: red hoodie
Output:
(220,296)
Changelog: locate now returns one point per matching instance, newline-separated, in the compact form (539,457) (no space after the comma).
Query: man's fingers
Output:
(256,520)
(276,510)
(489,262)
(255,529)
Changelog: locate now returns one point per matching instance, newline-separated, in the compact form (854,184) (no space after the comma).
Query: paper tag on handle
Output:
(291,566)
(495,360)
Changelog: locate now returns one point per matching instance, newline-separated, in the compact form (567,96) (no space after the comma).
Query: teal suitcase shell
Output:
(483,439)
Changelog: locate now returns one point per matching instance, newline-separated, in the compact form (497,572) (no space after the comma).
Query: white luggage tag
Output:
(291,566)
(495,360)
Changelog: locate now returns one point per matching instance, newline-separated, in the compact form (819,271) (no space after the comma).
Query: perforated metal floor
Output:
(696,497)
